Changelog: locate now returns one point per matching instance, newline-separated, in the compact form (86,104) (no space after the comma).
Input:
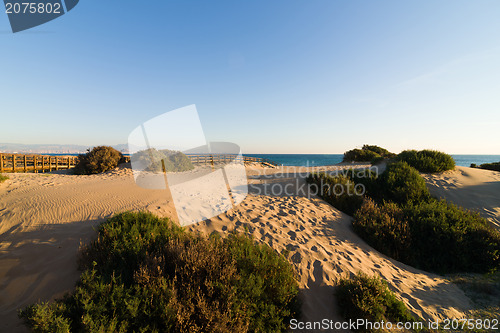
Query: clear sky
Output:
(277,76)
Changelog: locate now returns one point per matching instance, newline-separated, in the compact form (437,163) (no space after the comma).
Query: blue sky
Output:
(272,76)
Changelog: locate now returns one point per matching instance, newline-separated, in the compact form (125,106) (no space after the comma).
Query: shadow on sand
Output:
(38,265)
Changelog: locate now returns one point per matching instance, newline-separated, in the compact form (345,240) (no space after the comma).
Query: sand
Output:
(474,189)
(43,219)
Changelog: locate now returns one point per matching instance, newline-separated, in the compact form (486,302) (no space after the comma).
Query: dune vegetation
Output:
(427,161)
(98,160)
(343,198)
(435,236)
(146,274)
(368,153)
(3,178)
(161,160)
(488,166)
(369,298)
(398,217)
(399,183)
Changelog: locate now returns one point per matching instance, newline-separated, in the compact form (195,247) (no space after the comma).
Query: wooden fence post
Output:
(13,163)
(57,163)
(25,164)
(1,162)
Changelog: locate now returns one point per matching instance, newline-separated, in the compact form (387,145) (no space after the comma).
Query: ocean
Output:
(331,159)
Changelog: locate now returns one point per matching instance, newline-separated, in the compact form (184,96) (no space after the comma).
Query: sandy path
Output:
(43,219)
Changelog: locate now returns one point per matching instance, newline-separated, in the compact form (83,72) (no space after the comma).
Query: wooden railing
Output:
(214,159)
(44,163)
(226,158)
(35,163)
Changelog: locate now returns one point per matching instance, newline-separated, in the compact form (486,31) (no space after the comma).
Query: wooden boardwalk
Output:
(214,159)
(35,163)
(45,163)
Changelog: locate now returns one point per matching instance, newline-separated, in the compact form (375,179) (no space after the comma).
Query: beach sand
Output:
(474,189)
(44,218)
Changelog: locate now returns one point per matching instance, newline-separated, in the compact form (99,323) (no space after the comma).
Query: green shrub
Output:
(145,274)
(384,228)
(379,150)
(434,235)
(366,154)
(428,161)
(377,160)
(491,166)
(156,161)
(473,165)
(46,318)
(180,161)
(3,178)
(339,191)
(369,298)
(400,183)
(99,159)
(360,155)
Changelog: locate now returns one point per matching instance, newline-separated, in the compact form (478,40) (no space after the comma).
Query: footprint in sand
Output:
(296,258)
(292,235)
(396,281)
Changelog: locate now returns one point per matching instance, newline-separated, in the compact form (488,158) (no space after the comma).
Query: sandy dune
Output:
(475,189)
(323,248)
(43,219)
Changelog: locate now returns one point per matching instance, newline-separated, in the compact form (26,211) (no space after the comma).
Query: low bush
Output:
(434,235)
(145,274)
(428,161)
(400,183)
(359,155)
(340,191)
(161,160)
(369,298)
(491,166)
(377,160)
(180,161)
(367,153)
(3,178)
(379,150)
(99,159)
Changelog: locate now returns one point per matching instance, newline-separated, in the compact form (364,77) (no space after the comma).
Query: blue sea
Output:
(331,159)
